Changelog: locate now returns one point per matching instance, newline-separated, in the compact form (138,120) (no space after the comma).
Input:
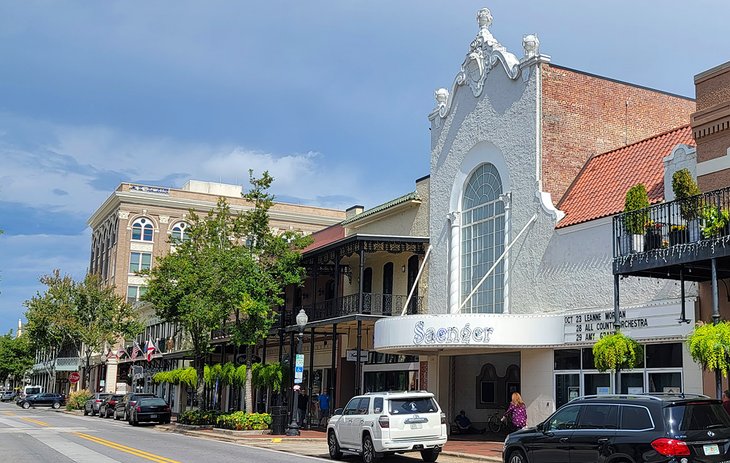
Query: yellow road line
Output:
(39,423)
(124,448)
(8,414)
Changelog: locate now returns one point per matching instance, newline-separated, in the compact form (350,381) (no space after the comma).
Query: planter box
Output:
(678,237)
(653,240)
(637,243)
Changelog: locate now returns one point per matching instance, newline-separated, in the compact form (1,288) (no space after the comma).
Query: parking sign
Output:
(299,369)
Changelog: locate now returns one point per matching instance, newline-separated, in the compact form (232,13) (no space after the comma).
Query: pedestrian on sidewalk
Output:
(302,406)
(516,414)
(324,408)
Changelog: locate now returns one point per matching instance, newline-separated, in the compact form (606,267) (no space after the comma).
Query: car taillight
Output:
(671,447)
(98,400)
(443,418)
(384,421)
(139,409)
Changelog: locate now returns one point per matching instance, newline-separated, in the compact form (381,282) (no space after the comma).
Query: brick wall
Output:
(583,115)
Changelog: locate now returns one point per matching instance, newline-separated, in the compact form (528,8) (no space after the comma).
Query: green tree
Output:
(102,317)
(230,274)
(86,315)
(16,357)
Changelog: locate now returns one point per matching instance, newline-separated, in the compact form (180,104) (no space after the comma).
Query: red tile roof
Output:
(600,188)
(326,236)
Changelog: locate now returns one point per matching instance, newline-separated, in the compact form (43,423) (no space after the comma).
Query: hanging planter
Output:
(616,352)
(709,345)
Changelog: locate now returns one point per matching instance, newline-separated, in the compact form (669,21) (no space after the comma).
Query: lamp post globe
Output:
(293,429)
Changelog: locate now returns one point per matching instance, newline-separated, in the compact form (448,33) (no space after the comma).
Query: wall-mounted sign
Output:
(463,334)
(351,355)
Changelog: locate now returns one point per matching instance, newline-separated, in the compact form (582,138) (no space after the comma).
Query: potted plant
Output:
(709,345)
(678,234)
(616,352)
(653,236)
(686,193)
(636,215)
(714,222)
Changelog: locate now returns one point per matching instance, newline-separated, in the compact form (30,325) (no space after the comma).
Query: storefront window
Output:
(567,388)
(567,359)
(664,355)
(632,383)
(487,392)
(597,383)
(378,381)
(665,382)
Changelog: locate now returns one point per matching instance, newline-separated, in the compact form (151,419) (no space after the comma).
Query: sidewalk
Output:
(314,443)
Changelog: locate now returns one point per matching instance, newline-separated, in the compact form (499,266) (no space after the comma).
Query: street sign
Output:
(351,355)
(74,377)
(299,369)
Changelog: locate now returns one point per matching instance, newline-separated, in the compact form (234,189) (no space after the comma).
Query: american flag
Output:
(121,352)
(150,350)
(136,350)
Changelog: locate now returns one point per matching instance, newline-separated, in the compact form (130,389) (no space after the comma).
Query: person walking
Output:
(324,408)
(516,413)
(302,406)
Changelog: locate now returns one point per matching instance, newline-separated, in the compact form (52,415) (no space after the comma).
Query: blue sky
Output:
(331,97)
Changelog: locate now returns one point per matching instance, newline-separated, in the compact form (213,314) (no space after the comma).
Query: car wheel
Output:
(125,417)
(516,457)
(333,446)
(56,405)
(430,455)
(26,405)
(116,417)
(86,412)
(369,455)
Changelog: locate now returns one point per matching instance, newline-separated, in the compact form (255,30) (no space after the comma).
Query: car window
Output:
(351,407)
(378,405)
(364,406)
(698,416)
(151,401)
(563,419)
(635,418)
(598,417)
(413,405)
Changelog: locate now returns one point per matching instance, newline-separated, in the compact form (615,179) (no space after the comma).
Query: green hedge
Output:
(77,399)
(198,417)
(242,420)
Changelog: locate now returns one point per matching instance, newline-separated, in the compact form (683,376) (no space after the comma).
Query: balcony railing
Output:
(59,364)
(689,222)
(372,304)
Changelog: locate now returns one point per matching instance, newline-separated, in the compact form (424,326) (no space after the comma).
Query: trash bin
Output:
(278,420)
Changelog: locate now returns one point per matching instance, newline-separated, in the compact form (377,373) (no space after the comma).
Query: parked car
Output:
(46,399)
(91,406)
(30,390)
(648,428)
(7,396)
(106,409)
(150,409)
(123,407)
(385,423)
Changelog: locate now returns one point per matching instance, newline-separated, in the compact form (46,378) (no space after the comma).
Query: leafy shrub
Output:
(709,345)
(636,202)
(199,417)
(77,399)
(242,420)
(685,187)
(616,351)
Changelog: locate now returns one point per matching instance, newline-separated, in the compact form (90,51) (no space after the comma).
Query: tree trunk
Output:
(249,380)
(200,370)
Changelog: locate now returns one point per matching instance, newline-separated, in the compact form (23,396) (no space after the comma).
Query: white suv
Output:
(381,423)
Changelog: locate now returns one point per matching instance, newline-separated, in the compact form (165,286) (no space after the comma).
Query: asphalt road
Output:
(45,435)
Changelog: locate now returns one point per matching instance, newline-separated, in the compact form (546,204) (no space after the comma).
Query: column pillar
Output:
(454,259)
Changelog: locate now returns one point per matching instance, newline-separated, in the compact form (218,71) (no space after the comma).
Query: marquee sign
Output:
(451,334)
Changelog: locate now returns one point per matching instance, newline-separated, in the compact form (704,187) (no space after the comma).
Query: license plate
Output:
(416,426)
(711,449)
(155,416)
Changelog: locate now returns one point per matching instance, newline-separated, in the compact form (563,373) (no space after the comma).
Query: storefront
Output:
(476,361)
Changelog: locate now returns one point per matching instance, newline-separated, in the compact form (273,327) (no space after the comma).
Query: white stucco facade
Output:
(491,117)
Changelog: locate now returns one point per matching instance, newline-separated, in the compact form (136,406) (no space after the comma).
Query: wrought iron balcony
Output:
(372,304)
(666,238)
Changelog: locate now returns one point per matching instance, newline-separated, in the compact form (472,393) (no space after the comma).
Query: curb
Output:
(470,456)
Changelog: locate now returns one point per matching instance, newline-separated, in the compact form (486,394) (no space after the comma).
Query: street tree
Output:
(16,357)
(229,275)
(86,315)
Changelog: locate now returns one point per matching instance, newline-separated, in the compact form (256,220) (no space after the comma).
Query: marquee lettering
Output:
(451,334)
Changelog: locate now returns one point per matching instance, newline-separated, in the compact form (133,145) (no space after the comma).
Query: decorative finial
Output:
(442,97)
(484,18)
(531,45)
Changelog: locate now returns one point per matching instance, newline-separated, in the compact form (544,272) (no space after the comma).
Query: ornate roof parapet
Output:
(485,53)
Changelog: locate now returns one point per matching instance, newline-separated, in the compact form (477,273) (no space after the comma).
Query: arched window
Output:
(482,241)
(142,229)
(179,232)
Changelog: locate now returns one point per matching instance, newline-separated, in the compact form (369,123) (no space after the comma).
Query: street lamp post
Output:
(302,320)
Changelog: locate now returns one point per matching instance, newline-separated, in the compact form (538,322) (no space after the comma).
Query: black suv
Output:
(650,428)
(123,407)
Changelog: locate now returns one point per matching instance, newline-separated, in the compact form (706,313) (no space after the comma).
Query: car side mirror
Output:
(540,427)
(338,411)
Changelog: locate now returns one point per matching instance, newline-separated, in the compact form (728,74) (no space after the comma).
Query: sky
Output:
(331,97)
